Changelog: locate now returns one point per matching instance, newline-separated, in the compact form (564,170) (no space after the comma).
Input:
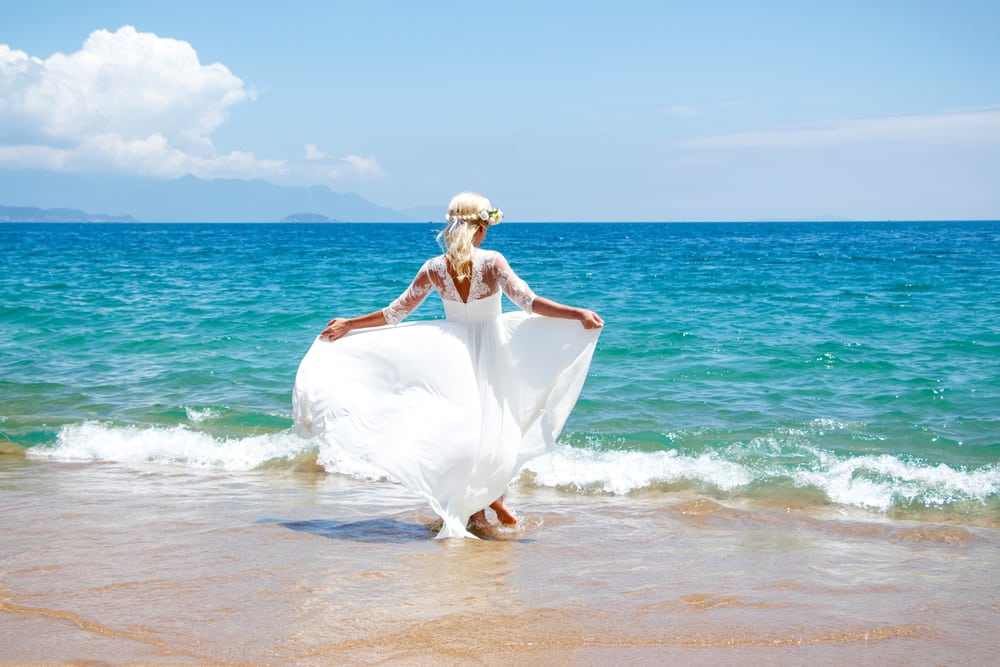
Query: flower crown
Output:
(488,216)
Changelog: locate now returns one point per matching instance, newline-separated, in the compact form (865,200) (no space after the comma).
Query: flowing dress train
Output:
(449,408)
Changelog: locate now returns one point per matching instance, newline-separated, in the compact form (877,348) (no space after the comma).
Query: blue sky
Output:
(555,110)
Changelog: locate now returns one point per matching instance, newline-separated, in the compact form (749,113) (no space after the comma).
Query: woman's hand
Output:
(549,308)
(341,326)
(336,328)
(590,320)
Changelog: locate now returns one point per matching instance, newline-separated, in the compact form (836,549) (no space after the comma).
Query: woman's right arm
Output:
(519,292)
(549,308)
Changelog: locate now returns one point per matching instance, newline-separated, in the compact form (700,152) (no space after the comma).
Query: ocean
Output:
(846,364)
(787,448)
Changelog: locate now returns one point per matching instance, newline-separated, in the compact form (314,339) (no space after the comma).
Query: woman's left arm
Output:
(341,326)
(391,314)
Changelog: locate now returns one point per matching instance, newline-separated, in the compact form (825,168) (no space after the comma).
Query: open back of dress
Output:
(451,409)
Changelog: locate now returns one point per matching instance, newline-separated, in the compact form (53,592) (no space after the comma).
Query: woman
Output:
(451,409)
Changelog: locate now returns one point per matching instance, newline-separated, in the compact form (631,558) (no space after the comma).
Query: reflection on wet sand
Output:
(112,564)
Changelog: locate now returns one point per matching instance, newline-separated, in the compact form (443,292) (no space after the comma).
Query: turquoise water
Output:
(853,365)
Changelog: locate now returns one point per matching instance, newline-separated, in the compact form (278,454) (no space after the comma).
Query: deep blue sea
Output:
(841,365)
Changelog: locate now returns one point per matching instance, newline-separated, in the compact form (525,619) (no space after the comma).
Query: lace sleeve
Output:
(516,289)
(412,297)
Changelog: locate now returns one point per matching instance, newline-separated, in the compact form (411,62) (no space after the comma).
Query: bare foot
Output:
(505,516)
(479,525)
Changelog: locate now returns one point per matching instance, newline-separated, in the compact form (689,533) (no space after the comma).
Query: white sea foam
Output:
(873,482)
(878,482)
(198,415)
(621,472)
(180,446)
(92,441)
(882,481)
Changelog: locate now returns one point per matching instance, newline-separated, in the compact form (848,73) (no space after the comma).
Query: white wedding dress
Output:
(450,408)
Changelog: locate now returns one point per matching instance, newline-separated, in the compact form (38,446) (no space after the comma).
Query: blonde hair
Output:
(464,220)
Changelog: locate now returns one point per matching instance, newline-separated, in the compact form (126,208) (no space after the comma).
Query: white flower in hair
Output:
(490,216)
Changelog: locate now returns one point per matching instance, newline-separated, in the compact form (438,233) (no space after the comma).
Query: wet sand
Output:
(108,564)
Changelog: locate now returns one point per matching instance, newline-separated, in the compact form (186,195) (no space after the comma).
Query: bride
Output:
(451,409)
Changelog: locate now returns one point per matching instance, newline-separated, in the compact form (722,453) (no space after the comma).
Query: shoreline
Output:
(161,565)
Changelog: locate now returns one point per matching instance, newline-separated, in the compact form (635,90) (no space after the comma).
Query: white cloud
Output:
(366,167)
(319,168)
(130,84)
(313,153)
(136,102)
(966,127)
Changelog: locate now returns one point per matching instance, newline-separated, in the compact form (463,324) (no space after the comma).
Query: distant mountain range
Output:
(32,214)
(50,196)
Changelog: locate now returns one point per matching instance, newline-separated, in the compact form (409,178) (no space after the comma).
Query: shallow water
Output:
(171,565)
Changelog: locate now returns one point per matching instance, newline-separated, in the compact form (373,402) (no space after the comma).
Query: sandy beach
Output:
(108,564)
